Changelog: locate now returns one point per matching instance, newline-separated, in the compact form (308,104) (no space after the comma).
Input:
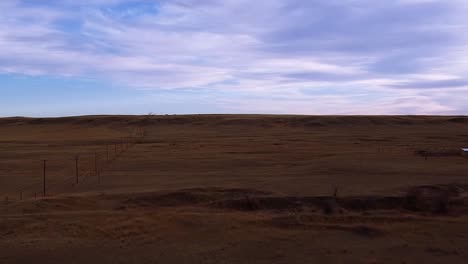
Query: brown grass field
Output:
(234,189)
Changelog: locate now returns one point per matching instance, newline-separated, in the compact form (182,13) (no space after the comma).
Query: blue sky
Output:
(233,56)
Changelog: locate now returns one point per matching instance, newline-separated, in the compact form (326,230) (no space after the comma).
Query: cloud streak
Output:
(356,56)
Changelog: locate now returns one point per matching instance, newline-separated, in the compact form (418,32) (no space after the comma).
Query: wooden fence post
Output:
(44,177)
(76,168)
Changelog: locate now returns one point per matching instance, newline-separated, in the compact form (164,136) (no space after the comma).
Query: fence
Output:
(87,168)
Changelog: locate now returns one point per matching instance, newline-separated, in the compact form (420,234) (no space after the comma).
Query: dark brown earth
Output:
(234,189)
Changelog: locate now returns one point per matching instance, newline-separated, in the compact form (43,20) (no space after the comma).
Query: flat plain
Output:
(234,189)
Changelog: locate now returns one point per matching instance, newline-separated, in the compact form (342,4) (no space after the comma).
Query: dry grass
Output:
(238,189)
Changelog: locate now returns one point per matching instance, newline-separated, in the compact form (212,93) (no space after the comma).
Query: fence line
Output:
(102,160)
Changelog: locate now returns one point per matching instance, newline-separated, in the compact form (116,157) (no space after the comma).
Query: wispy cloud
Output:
(356,56)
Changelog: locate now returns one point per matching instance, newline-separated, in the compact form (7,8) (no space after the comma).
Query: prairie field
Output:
(234,189)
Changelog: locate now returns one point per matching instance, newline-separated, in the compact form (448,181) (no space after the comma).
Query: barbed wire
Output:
(56,186)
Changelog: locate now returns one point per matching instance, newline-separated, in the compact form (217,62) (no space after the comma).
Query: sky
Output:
(339,57)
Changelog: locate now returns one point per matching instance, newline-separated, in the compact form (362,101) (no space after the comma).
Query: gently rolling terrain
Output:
(234,189)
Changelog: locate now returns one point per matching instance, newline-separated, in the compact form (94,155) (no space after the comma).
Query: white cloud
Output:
(395,49)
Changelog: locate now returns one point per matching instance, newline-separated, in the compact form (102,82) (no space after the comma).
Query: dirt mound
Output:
(443,199)
(194,196)
(328,205)
(251,203)
(324,204)
(436,199)
(180,198)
